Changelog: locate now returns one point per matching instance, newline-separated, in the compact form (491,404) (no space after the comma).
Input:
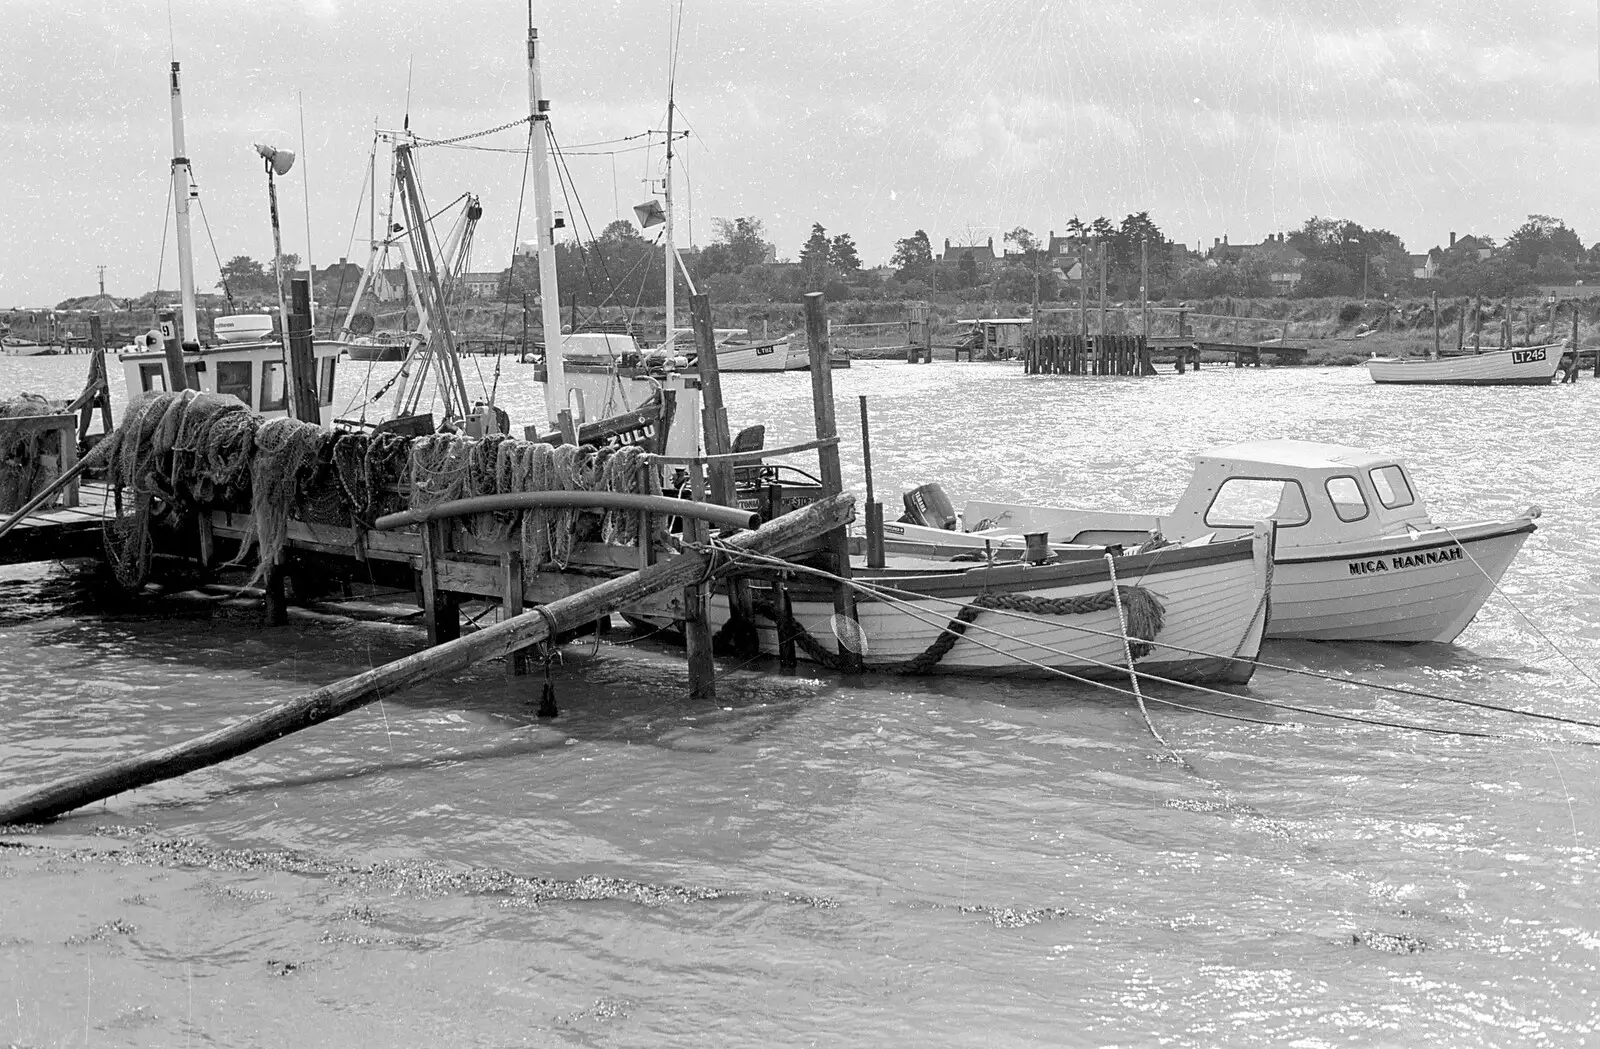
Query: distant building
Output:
(1424,267)
(982,256)
(482,285)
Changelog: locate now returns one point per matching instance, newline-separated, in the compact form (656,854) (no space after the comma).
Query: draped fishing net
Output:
(177,453)
(31,460)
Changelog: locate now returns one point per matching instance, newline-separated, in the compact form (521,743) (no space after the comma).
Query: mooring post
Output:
(874,508)
(178,378)
(511,605)
(741,605)
(844,601)
(302,360)
(1574,340)
(1477,325)
(1437,346)
(441,611)
(696,603)
(276,604)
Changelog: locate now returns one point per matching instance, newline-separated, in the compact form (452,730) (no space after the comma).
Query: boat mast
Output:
(555,384)
(182,191)
(671,253)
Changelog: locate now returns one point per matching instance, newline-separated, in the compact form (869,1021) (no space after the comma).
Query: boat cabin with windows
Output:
(248,363)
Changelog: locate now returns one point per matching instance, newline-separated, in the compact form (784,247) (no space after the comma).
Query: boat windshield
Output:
(1242,501)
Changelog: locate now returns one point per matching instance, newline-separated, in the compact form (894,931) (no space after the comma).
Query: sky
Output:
(964,118)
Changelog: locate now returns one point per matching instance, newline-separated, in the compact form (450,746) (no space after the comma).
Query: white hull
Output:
(1316,594)
(1426,588)
(1527,366)
(28,349)
(1213,600)
(777,356)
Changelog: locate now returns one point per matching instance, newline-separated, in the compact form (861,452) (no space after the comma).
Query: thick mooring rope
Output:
(1143,620)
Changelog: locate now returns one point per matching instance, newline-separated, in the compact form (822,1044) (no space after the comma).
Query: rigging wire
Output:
(516,236)
(222,278)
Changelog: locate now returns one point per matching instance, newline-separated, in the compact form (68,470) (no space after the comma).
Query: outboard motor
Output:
(927,505)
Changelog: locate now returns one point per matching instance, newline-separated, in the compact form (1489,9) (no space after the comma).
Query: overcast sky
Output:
(965,118)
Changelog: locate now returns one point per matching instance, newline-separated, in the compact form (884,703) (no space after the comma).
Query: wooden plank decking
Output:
(61,532)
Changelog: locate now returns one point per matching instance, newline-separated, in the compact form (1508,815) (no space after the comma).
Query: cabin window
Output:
(272,386)
(1348,502)
(235,378)
(1390,483)
(1242,501)
(152,378)
(325,383)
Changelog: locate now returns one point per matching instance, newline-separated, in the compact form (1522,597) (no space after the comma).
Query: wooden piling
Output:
(302,360)
(276,608)
(875,555)
(1477,325)
(512,584)
(441,610)
(844,601)
(566,614)
(697,638)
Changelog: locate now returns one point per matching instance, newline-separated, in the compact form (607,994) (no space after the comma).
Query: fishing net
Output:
(31,460)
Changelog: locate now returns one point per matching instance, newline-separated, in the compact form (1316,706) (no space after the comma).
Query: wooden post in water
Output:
(696,604)
(511,604)
(441,610)
(1144,287)
(1100,325)
(718,442)
(1477,325)
(1436,327)
(1574,340)
(844,601)
(302,377)
(874,508)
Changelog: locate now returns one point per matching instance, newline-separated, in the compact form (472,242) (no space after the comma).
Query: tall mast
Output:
(555,384)
(671,256)
(182,191)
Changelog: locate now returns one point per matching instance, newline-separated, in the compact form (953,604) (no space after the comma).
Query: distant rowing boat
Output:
(1523,366)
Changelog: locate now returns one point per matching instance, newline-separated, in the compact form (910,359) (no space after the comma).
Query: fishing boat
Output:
(1193,613)
(1357,556)
(1522,366)
(736,352)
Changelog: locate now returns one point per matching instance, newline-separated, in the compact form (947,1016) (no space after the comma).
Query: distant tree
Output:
(1543,235)
(745,240)
(913,257)
(815,256)
(1026,243)
(842,254)
(242,273)
(1324,277)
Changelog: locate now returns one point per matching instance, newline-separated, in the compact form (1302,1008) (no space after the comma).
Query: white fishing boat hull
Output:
(1425,586)
(1525,366)
(776,356)
(1384,589)
(1213,597)
(26,349)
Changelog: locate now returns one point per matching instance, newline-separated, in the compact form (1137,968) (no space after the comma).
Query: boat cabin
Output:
(1317,494)
(247,364)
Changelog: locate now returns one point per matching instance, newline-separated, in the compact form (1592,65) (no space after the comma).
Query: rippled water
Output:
(813,861)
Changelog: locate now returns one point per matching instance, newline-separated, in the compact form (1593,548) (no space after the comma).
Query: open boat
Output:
(1523,366)
(1357,556)
(1194,612)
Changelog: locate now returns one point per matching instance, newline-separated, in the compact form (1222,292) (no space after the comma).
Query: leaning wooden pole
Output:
(822,407)
(774,538)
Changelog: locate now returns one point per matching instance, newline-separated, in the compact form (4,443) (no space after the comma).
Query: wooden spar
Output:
(844,601)
(52,800)
(744,458)
(721,516)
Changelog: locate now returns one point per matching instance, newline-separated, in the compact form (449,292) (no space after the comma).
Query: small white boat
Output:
(1522,366)
(16,346)
(735,354)
(1033,620)
(1357,556)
